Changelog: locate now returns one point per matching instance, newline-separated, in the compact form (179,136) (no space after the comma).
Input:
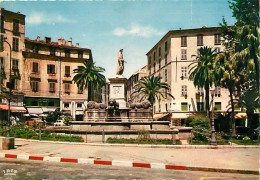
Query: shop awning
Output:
(5,107)
(48,109)
(160,116)
(240,115)
(179,115)
(19,109)
(35,110)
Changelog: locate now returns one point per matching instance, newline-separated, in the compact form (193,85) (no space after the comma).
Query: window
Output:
(15,64)
(80,91)
(67,71)
(159,51)
(166,108)
(183,90)
(165,75)
(218,106)
(52,87)
(67,87)
(15,44)
(66,105)
(200,40)
(154,56)
(184,106)
(184,54)
(183,41)
(67,53)
(50,103)
(34,86)
(51,69)
(16,26)
(1,63)
(2,23)
(184,72)
(15,83)
(236,106)
(200,91)
(217,49)
(80,54)
(149,60)
(79,105)
(165,46)
(200,106)
(154,67)
(52,51)
(35,67)
(166,58)
(35,49)
(160,63)
(217,92)
(217,39)
(1,42)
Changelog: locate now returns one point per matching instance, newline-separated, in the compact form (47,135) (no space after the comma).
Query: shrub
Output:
(67,119)
(200,128)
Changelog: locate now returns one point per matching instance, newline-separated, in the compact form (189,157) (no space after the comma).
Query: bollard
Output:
(173,139)
(40,135)
(103,136)
(86,136)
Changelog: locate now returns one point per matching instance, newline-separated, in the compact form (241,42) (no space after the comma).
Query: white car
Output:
(59,123)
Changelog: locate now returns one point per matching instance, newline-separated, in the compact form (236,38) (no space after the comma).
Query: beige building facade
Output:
(49,72)
(171,59)
(132,81)
(12,31)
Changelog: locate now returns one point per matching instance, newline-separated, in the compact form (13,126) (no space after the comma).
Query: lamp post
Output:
(10,88)
(213,132)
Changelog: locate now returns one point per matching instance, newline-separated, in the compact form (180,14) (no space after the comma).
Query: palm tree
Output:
(152,88)
(202,71)
(89,76)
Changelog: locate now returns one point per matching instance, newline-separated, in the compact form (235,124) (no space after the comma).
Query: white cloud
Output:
(43,18)
(137,30)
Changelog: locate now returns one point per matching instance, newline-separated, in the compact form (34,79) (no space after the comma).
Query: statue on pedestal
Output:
(120,63)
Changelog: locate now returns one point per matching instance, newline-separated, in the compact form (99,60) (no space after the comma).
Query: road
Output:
(22,169)
(227,158)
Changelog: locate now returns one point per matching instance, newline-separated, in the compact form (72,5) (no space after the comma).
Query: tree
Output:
(202,71)
(89,76)
(152,88)
(246,50)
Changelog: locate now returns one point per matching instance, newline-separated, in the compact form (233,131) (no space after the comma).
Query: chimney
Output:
(38,38)
(47,39)
(61,41)
(77,44)
(69,42)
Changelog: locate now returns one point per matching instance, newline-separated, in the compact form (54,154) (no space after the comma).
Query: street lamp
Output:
(213,132)
(10,88)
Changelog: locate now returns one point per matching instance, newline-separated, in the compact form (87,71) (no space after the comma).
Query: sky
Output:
(107,26)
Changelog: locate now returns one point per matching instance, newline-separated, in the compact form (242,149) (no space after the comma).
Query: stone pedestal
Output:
(117,90)
(6,143)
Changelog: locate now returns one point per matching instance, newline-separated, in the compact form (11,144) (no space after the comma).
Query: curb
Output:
(148,145)
(123,163)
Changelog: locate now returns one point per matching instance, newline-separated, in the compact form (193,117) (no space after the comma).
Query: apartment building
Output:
(12,30)
(132,81)
(171,58)
(48,75)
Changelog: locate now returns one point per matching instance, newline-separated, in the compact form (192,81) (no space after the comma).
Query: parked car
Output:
(34,122)
(257,130)
(59,123)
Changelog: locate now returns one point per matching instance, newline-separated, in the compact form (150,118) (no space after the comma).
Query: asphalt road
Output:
(22,169)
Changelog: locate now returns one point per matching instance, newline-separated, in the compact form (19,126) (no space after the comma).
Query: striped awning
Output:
(240,115)
(18,109)
(160,116)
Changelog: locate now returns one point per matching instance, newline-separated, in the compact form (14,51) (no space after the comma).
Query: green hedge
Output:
(141,141)
(22,131)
